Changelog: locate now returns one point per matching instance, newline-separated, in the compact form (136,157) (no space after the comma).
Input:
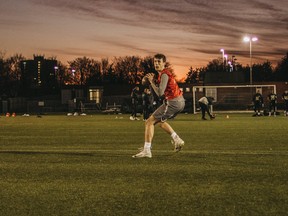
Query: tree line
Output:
(262,72)
(131,69)
(84,70)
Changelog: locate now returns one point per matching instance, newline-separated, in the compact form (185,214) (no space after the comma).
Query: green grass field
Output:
(60,165)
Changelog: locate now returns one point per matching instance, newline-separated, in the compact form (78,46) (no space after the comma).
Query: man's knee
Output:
(161,124)
(150,121)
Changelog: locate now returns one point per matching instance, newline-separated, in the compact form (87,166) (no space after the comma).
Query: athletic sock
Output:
(174,135)
(147,146)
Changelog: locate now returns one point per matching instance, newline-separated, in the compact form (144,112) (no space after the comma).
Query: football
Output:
(145,81)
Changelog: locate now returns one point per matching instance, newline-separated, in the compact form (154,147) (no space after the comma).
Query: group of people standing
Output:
(149,103)
(258,103)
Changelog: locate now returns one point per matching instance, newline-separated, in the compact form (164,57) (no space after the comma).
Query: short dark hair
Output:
(160,56)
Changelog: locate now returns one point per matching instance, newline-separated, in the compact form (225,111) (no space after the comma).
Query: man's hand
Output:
(150,77)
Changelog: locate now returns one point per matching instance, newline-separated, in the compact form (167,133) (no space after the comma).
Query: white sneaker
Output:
(132,118)
(178,144)
(143,153)
(136,119)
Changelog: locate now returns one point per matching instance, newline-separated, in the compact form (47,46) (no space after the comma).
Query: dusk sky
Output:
(188,32)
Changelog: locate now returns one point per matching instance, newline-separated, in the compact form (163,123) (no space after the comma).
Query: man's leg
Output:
(176,140)
(144,113)
(149,129)
(203,110)
(135,112)
(208,112)
(132,117)
(149,133)
(258,109)
(166,127)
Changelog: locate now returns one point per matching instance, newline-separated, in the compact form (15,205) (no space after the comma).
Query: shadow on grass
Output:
(92,153)
(47,153)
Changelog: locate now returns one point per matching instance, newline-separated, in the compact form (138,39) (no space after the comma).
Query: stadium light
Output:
(222,50)
(226,60)
(250,40)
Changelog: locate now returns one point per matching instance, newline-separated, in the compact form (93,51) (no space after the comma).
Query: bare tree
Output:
(81,69)
(192,76)
(14,69)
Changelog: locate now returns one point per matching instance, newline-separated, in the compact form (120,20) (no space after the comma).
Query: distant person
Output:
(134,102)
(258,103)
(205,103)
(165,86)
(147,101)
(272,98)
(285,98)
(81,106)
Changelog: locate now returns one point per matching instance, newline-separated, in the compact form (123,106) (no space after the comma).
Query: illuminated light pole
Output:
(222,50)
(73,72)
(226,58)
(250,40)
(56,69)
(230,66)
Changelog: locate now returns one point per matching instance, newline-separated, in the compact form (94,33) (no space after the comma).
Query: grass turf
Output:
(60,165)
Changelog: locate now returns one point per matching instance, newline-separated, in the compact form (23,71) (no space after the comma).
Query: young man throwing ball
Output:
(173,104)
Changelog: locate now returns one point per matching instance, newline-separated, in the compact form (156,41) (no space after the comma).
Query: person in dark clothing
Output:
(134,101)
(285,98)
(147,99)
(272,98)
(258,102)
(205,103)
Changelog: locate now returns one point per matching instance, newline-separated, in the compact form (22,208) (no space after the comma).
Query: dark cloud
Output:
(205,17)
(199,27)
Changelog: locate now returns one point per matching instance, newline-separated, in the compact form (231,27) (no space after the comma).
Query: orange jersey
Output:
(172,89)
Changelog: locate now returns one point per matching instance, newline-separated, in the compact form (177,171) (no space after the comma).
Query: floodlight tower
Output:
(222,51)
(250,40)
